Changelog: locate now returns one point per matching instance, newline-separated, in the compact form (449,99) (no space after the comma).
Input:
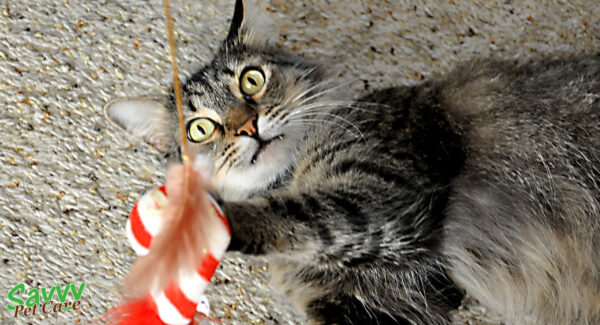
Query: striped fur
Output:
(386,210)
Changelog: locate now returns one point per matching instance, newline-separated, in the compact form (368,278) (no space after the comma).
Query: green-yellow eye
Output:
(252,81)
(200,129)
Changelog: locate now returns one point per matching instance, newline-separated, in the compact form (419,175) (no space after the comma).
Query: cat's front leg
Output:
(343,251)
(276,222)
(348,310)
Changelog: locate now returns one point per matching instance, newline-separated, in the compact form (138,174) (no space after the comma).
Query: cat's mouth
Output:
(262,146)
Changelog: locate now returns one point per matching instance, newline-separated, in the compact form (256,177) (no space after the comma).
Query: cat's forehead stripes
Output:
(229,72)
(201,111)
(209,88)
(217,86)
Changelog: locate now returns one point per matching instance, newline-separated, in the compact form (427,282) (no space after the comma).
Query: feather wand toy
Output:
(181,237)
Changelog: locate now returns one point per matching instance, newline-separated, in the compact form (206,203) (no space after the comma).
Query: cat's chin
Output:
(258,173)
(268,150)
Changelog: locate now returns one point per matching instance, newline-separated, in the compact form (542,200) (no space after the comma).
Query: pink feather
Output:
(183,239)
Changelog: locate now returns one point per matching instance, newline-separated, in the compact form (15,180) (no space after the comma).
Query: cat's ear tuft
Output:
(144,118)
(239,14)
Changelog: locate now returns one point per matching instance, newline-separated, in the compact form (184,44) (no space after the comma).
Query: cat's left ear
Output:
(239,13)
(144,118)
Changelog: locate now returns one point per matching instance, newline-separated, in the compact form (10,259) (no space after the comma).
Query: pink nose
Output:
(248,127)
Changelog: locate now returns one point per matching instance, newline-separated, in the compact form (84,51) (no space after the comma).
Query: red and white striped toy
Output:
(177,303)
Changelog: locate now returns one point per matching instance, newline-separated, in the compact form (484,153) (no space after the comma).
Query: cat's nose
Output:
(247,127)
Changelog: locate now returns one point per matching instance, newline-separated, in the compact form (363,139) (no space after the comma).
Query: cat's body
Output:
(484,182)
(494,171)
(523,226)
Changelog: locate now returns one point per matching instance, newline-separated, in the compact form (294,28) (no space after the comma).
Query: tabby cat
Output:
(387,210)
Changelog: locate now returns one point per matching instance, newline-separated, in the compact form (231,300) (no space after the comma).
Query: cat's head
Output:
(249,109)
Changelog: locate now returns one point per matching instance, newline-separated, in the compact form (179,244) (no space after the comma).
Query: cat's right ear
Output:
(239,12)
(144,118)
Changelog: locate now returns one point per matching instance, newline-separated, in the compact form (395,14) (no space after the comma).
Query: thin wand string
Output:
(116,313)
(178,102)
(176,82)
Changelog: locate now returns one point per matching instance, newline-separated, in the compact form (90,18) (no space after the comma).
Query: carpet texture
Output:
(69,178)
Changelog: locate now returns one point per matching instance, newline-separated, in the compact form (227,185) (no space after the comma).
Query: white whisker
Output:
(317,123)
(332,115)
(296,97)
(326,91)
(303,76)
(332,103)
(314,121)
(290,102)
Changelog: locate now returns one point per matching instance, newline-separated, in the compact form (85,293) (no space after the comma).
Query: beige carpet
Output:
(69,178)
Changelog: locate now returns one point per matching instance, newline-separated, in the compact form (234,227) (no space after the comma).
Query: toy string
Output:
(185,154)
(176,83)
(178,102)
(185,157)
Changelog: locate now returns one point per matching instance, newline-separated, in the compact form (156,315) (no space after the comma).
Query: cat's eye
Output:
(200,129)
(252,81)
